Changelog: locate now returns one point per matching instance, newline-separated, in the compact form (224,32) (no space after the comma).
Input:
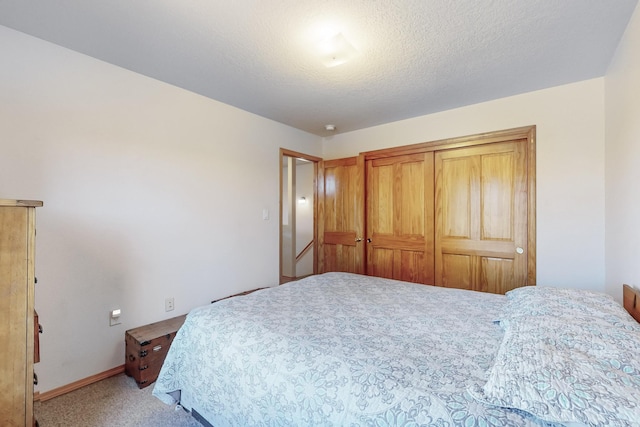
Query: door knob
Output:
(359,239)
(519,250)
(369,240)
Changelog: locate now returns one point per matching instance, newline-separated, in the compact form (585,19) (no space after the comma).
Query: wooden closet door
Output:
(341,216)
(400,217)
(481,217)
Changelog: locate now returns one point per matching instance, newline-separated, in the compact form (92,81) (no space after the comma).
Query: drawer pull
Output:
(157,348)
(143,353)
(142,368)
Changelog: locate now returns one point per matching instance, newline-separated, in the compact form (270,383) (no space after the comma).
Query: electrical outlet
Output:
(168,304)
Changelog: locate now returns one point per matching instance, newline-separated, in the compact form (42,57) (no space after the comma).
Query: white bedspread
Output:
(343,350)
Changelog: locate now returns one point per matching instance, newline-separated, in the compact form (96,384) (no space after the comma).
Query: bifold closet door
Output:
(400,218)
(481,217)
(342,216)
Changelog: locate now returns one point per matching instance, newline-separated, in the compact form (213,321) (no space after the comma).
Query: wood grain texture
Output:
(21,203)
(631,301)
(342,216)
(147,347)
(400,217)
(456,142)
(480,206)
(17,251)
(482,215)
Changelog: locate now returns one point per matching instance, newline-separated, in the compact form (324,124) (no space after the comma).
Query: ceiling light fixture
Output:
(330,128)
(336,50)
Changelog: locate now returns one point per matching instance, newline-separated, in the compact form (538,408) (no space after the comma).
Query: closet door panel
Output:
(381,201)
(412,191)
(458,197)
(457,271)
(381,263)
(497,275)
(400,217)
(340,258)
(481,215)
(412,266)
(497,204)
(342,216)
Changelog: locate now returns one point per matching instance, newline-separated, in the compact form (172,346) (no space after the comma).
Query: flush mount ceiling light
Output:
(336,50)
(330,128)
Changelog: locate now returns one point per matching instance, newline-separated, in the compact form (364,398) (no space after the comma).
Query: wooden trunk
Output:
(147,347)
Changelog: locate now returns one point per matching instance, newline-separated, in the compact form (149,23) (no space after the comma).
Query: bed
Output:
(340,349)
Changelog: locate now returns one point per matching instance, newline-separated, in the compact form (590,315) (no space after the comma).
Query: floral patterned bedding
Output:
(567,357)
(346,350)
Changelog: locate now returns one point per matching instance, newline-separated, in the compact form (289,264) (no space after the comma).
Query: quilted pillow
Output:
(571,305)
(566,371)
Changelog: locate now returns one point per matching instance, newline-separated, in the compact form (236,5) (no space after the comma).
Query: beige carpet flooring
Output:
(114,402)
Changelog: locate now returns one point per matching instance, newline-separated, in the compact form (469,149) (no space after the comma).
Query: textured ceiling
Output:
(415,56)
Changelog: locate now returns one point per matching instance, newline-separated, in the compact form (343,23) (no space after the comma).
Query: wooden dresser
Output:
(17,324)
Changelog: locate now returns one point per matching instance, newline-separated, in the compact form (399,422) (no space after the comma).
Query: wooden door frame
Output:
(317,163)
(525,132)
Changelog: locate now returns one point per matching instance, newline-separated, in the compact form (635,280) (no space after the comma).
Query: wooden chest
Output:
(147,347)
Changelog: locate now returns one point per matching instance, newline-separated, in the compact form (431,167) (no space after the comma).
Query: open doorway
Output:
(298,204)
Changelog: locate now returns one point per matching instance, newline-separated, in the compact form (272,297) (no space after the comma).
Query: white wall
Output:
(149,191)
(570,168)
(622,89)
